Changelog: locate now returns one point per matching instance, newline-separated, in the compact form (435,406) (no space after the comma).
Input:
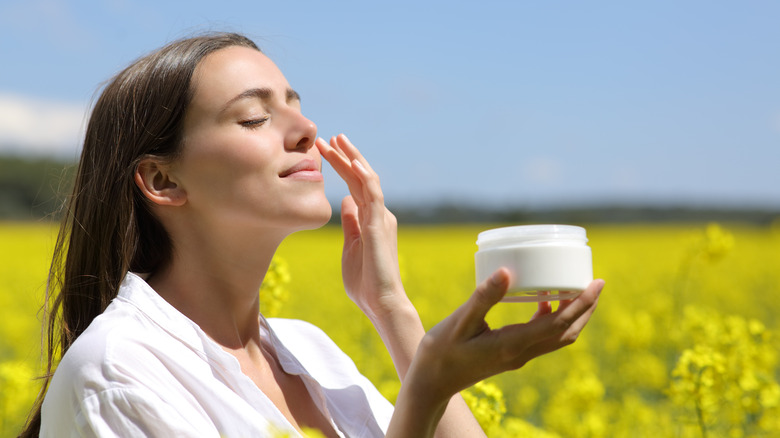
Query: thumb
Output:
(487,294)
(350,222)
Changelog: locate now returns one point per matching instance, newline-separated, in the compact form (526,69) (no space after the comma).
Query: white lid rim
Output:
(532,232)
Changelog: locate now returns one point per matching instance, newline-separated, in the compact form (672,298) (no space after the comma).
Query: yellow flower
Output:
(718,241)
(17,392)
(769,397)
(487,404)
(273,291)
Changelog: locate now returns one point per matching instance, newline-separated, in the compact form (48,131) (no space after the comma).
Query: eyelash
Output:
(254,123)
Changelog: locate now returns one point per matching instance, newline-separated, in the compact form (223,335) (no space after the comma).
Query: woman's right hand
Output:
(462,349)
(370,257)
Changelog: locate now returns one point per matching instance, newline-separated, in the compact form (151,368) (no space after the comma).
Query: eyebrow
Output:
(262,94)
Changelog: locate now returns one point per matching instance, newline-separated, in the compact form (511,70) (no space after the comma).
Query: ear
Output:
(153,177)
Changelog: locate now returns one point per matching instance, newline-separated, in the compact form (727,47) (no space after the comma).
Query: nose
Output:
(302,133)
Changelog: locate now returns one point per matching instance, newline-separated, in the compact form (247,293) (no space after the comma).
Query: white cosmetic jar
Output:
(547,262)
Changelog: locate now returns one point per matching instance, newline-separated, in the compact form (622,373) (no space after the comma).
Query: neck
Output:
(216,281)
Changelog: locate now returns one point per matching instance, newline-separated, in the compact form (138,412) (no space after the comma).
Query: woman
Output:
(197,163)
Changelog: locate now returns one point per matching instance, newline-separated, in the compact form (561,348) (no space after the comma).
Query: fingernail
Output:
(498,278)
(600,287)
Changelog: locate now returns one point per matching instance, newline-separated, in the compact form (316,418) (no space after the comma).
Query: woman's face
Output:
(247,154)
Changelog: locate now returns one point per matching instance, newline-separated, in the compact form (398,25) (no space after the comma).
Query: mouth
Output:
(304,169)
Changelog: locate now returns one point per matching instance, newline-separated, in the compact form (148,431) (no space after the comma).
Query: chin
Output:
(316,216)
(325,215)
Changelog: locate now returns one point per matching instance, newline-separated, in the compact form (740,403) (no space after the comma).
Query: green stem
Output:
(700,416)
(699,410)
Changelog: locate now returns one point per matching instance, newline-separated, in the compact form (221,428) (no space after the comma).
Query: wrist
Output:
(418,409)
(388,305)
(400,328)
(396,316)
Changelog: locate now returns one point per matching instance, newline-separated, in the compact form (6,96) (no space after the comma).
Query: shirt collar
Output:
(135,291)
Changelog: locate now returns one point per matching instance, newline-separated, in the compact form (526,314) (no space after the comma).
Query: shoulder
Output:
(116,330)
(119,412)
(312,347)
(118,336)
(137,338)
(128,371)
(88,370)
(121,350)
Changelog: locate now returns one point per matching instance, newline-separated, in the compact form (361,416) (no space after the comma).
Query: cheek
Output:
(226,167)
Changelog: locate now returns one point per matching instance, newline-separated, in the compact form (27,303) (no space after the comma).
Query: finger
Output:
(570,310)
(564,303)
(566,323)
(554,330)
(372,190)
(352,152)
(592,294)
(336,147)
(566,338)
(348,150)
(344,169)
(362,181)
(543,308)
(487,294)
(339,162)
(330,153)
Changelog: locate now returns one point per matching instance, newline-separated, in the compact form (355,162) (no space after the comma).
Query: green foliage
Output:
(33,189)
(684,343)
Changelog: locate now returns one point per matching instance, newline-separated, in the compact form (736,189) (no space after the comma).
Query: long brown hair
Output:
(107,227)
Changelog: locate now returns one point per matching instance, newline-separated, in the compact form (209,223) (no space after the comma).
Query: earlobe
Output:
(154,180)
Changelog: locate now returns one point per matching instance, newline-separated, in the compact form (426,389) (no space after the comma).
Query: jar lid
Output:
(531,233)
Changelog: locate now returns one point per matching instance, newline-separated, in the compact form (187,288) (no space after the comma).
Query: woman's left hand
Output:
(370,258)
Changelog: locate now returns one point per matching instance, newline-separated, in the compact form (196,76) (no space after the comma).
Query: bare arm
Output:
(459,351)
(371,275)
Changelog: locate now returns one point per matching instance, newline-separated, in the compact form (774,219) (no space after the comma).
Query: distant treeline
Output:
(613,214)
(33,189)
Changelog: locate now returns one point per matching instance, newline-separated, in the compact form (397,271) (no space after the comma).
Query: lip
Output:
(307,169)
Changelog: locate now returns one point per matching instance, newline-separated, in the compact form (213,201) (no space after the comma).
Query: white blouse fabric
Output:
(144,369)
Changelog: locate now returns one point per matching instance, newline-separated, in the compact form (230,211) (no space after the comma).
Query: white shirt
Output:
(142,368)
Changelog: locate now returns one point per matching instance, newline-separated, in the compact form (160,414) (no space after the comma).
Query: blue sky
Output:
(504,103)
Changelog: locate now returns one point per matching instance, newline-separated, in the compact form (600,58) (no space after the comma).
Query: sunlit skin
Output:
(248,176)
(248,154)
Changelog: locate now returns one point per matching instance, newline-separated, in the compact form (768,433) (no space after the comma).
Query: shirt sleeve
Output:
(124,412)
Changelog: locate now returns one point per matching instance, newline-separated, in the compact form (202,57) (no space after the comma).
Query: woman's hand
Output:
(462,349)
(370,258)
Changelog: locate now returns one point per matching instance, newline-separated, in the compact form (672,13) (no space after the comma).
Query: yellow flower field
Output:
(684,343)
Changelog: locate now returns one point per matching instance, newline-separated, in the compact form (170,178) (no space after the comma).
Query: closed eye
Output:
(254,123)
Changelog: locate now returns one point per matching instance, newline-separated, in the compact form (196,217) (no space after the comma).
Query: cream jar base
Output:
(531,297)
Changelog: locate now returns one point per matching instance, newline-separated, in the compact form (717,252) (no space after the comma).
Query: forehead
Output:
(228,72)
